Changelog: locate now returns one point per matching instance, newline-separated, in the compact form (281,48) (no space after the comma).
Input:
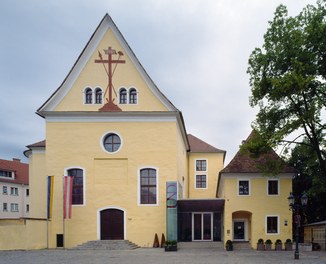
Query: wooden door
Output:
(112,224)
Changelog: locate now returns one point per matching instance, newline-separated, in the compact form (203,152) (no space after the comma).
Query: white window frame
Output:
(278,187)
(84,183)
(201,174)
(238,188)
(14,207)
(196,165)
(94,95)
(14,191)
(278,225)
(5,190)
(84,95)
(5,207)
(11,177)
(139,185)
(128,95)
(102,142)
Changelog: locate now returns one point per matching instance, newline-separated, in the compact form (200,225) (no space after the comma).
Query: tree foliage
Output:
(288,79)
(309,180)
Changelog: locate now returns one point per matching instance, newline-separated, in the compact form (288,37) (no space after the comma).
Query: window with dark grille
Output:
(123,96)
(148,188)
(272,224)
(132,96)
(6,174)
(201,165)
(98,96)
(244,187)
(78,186)
(112,142)
(88,96)
(273,187)
(201,181)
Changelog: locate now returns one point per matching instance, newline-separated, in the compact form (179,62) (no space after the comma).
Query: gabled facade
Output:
(125,143)
(256,205)
(136,173)
(14,189)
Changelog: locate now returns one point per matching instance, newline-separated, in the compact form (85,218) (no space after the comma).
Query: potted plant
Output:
(171,245)
(229,245)
(260,244)
(288,245)
(278,244)
(268,244)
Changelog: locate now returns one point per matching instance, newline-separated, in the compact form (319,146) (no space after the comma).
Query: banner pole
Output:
(63,208)
(47,217)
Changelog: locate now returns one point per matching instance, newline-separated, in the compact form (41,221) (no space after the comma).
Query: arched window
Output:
(132,96)
(78,185)
(123,96)
(88,96)
(148,186)
(98,96)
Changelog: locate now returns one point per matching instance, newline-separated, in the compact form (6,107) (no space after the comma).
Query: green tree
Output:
(288,81)
(310,180)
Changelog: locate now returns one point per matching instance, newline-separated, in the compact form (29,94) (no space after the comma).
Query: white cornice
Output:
(95,116)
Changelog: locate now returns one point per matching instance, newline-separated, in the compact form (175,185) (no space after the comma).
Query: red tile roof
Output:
(20,170)
(197,145)
(245,163)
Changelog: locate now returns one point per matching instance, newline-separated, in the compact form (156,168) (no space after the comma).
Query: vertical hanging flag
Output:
(50,182)
(67,196)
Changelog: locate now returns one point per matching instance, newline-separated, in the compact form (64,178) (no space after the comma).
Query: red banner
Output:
(67,196)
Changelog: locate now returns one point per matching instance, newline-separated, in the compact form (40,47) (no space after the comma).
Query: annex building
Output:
(136,172)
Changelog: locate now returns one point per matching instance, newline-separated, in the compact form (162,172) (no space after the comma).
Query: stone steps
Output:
(106,245)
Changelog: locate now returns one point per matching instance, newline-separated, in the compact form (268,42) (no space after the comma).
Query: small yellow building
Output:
(136,173)
(256,205)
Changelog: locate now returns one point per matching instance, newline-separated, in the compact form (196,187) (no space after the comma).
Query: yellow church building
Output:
(136,172)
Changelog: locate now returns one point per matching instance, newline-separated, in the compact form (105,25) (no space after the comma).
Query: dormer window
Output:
(88,96)
(6,174)
(132,96)
(123,96)
(98,95)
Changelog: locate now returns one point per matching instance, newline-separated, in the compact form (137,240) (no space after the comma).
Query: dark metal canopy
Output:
(201,205)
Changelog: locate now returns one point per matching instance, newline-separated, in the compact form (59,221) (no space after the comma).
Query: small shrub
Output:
(278,241)
(260,241)
(268,242)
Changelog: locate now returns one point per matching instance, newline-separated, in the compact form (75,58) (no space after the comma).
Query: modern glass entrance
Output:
(202,227)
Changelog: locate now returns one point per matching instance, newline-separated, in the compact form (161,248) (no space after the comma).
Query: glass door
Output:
(239,230)
(202,226)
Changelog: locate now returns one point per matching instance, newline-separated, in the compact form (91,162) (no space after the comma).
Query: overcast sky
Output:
(196,51)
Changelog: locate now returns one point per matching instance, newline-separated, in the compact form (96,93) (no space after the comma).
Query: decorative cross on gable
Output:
(107,64)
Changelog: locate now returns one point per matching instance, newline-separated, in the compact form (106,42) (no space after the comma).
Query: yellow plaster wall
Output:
(38,185)
(94,75)
(214,166)
(259,204)
(79,145)
(22,234)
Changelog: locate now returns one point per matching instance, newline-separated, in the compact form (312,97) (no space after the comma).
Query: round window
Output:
(111,142)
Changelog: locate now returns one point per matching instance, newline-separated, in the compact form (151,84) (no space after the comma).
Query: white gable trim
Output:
(106,24)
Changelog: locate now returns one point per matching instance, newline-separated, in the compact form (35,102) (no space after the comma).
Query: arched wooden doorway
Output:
(112,224)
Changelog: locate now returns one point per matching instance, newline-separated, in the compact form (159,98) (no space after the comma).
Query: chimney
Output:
(16,160)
